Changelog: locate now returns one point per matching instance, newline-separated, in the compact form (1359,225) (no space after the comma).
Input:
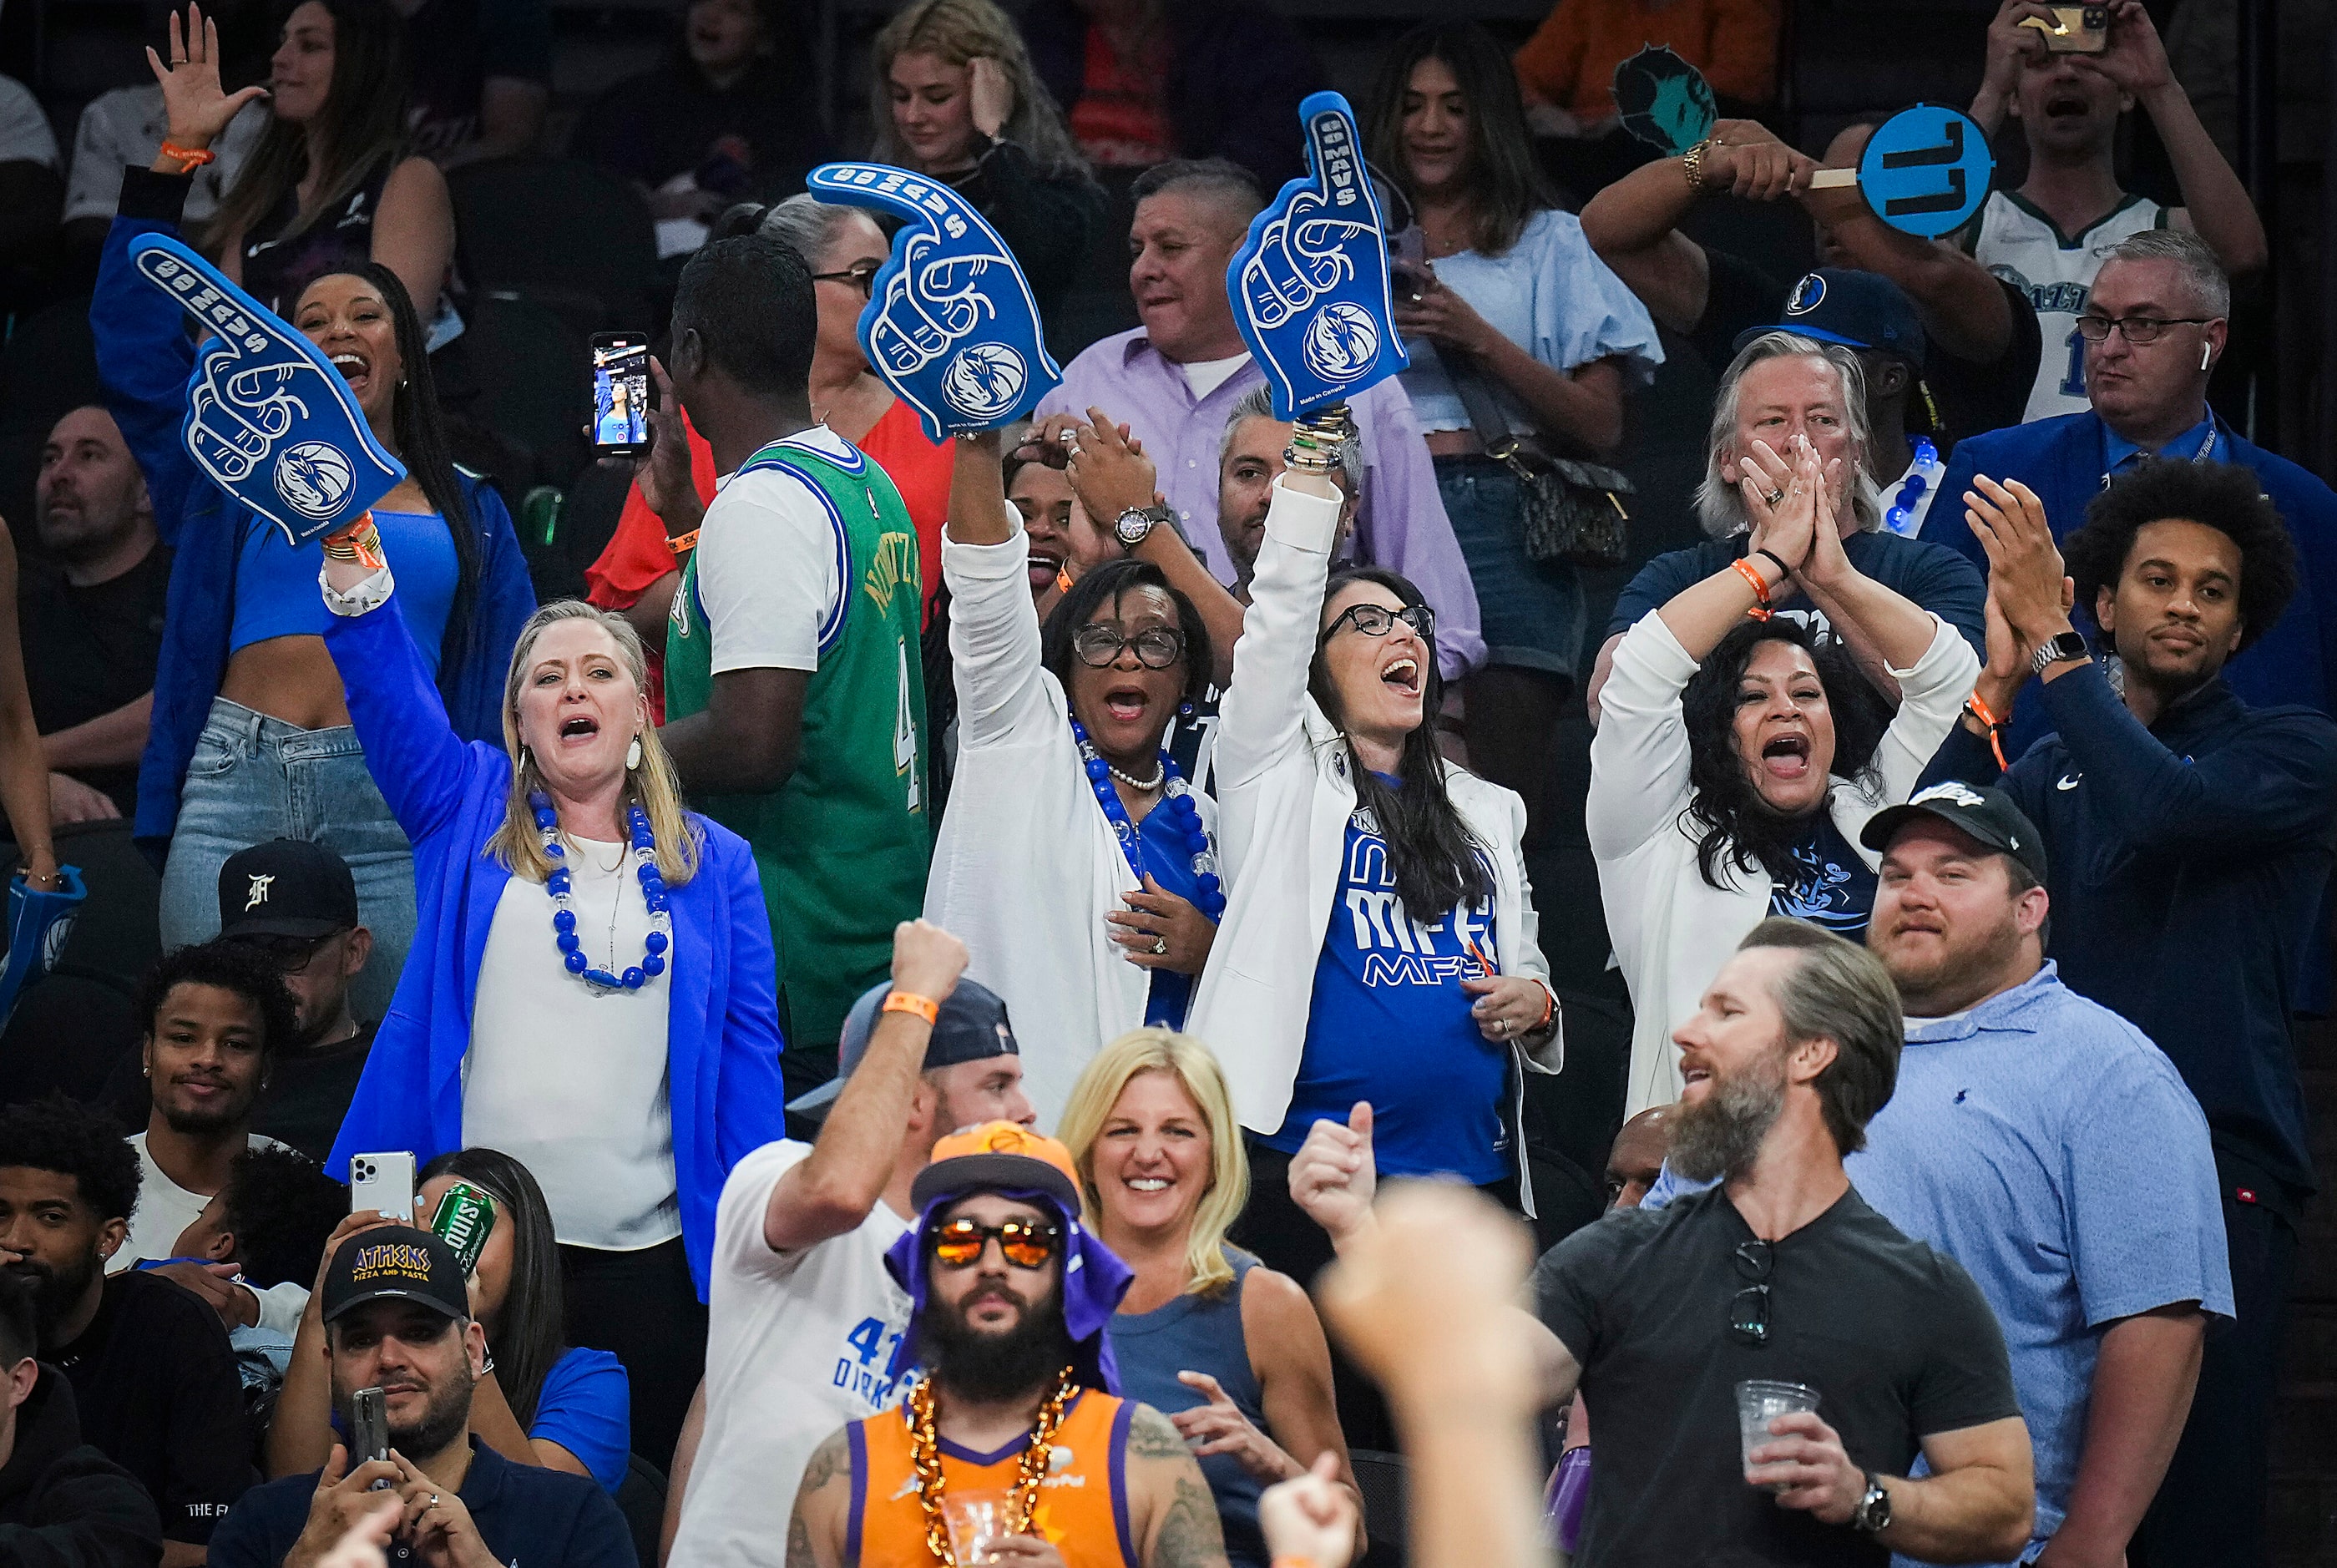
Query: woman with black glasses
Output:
(1074,856)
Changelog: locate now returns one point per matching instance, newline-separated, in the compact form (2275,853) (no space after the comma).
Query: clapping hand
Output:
(2026,584)
(1782,509)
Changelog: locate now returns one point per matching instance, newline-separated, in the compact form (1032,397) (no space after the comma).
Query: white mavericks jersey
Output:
(2022,246)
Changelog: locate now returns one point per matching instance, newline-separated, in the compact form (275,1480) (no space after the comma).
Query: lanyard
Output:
(2205,454)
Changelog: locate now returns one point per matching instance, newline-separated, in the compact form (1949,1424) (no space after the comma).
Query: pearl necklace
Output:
(560,886)
(1208,896)
(1133,782)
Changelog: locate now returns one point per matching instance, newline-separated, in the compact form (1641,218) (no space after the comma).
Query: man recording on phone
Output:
(398,1321)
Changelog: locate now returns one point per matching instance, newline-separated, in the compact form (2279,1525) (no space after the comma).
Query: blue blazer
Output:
(145,356)
(722,1034)
(2063,460)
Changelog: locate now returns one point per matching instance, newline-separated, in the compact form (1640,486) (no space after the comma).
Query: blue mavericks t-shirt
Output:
(1165,858)
(1390,1024)
(586,1407)
(1832,886)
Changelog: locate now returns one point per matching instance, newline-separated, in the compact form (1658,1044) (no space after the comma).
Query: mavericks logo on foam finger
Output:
(1342,342)
(986,381)
(314,478)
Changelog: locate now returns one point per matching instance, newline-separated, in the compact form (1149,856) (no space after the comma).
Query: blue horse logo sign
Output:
(268,419)
(1310,285)
(951,326)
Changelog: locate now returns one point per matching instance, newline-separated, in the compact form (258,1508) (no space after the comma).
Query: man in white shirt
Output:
(805,1317)
(124,129)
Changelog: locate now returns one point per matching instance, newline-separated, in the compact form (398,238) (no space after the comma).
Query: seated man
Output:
(1174,379)
(149,1364)
(398,1318)
(1012,1296)
(62,1502)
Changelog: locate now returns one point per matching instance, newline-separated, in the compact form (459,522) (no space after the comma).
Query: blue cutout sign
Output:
(1926,171)
(1310,285)
(951,326)
(40,923)
(269,419)
(1665,101)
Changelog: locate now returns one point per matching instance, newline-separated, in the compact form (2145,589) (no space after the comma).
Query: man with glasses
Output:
(1781,1272)
(1012,1297)
(294,903)
(2154,327)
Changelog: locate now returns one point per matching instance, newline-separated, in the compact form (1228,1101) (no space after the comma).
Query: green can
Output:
(466,1218)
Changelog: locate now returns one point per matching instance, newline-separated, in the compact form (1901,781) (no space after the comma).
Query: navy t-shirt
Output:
(1832,886)
(1931,575)
(527,1517)
(1390,1024)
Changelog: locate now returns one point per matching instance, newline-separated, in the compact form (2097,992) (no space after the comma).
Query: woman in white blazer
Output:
(1063,791)
(1738,755)
(1379,941)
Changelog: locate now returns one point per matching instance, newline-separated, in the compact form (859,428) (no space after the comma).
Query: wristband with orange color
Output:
(924,1007)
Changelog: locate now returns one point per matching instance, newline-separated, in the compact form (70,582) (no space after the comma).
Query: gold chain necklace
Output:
(924,1455)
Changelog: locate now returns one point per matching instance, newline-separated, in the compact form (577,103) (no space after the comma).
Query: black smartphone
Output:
(369,1428)
(621,394)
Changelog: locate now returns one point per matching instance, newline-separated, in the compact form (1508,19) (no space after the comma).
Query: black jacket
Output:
(63,1503)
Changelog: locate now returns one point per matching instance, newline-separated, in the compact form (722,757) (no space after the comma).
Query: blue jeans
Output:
(1530,611)
(253,779)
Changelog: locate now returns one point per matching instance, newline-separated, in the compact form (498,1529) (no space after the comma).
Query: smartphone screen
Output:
(621,394)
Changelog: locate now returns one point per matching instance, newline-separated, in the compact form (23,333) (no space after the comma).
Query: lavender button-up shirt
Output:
(1400,524)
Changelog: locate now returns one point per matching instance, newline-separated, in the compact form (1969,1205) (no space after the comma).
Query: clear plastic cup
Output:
(1758,1403)
(978,1522)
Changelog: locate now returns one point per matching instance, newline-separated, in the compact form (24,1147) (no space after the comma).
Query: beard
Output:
(56,1291)
(1954,980)
(442,1423)
(992,1367)
(1719,1136)
(231,1112)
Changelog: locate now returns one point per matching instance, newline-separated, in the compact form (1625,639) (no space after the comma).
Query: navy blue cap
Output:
(1855,309)
(971,1026)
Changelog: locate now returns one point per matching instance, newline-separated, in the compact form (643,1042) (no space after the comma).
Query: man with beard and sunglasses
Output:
(398,1318)
(150,1366)
(1012,1295)
(1782,1272)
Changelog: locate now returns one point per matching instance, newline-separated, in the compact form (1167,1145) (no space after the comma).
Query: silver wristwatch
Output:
(1872,1514)
(2055,649)
(1138,521)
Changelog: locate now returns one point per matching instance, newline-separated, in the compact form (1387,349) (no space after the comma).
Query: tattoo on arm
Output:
(1152,1436)
(825,1492)
(799,1552)
(830,1459)
(1189,1536)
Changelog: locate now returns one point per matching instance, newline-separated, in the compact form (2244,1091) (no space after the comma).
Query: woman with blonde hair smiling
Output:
(1230,1350)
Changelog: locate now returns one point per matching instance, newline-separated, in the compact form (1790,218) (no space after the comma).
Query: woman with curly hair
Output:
(1738,752)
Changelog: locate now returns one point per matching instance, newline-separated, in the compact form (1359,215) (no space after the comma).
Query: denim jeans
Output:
(253,779)
(1531,612)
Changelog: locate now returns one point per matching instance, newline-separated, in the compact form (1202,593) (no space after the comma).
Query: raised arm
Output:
(416,760)
(994,650)
(1265,710)
(2215,205)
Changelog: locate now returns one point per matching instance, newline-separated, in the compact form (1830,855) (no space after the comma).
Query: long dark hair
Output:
(1740,832)
(1506,183)
(421,432)
(1437,861)
(362,122)
(1103,586)
(528,1340)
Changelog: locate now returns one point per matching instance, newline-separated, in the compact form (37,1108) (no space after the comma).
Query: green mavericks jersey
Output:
(843,845)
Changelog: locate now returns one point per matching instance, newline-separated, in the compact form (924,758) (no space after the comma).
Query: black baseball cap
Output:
(1984,814)
(286,888)
(971,1026)
(1856,310)
(396,1263)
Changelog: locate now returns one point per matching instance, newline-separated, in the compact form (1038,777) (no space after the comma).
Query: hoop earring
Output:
(634,755)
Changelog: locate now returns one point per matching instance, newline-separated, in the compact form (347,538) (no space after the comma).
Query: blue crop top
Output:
(276,592)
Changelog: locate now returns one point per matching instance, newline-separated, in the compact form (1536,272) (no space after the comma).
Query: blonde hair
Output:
(957,31)
(1194,1067)
(652,785)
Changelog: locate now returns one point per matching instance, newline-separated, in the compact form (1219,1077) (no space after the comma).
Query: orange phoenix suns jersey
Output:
(1082,1507)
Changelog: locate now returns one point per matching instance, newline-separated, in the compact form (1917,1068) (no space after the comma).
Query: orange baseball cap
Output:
(998,1157)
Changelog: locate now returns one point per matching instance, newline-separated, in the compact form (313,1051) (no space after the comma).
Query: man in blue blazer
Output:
(2155,327)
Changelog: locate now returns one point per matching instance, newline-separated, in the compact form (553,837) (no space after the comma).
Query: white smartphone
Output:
(382,1181)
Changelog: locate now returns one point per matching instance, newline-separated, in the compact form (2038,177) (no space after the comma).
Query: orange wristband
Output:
(1752,573)
(924,1007)
(683,543)
(1978,710)
(189,158)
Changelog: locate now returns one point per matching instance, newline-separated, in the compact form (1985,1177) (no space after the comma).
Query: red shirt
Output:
(637,555)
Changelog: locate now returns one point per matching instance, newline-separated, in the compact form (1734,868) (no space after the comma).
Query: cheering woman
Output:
(1739,753)
(592,988)
(1379,945)
(250,737)
(1074,855)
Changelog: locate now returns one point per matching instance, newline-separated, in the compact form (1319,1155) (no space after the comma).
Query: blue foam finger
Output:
(40,923)
(951,326)
(268,419)
(1309,286)
(1926,171)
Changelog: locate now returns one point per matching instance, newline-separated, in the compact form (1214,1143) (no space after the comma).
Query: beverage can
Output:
(466,1218)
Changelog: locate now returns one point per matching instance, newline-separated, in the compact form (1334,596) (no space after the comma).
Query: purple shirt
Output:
(1400,524)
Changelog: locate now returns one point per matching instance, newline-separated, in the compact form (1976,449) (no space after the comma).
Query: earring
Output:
(634,755)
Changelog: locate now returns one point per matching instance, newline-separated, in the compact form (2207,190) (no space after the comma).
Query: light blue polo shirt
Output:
(2047,1146)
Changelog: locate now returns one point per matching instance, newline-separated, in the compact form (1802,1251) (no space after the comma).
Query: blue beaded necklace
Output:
(1924,474)
(1181,815)
(563,914)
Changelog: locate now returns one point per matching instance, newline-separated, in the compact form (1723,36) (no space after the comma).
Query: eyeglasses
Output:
(1748,1309)
(1378,621)
(2136,329)
(863,278)
(288,954)
(1025,1243)
(1098,645)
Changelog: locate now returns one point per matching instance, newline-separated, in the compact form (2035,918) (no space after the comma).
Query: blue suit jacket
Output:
(722,1032)
(2063,459)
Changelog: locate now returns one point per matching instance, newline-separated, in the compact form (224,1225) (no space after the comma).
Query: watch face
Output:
(1132,527)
